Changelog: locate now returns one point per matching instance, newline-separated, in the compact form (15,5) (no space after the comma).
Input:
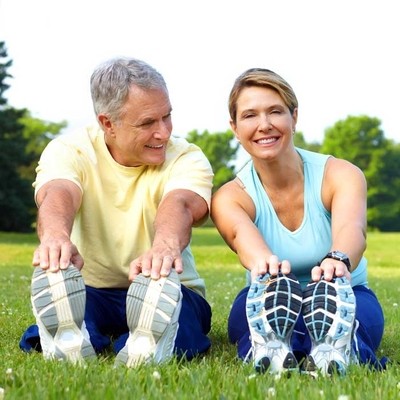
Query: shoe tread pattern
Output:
(155,309)
(151,306)
(59,300)
(283,303)
(280,299)
(272,307)
(329,315)
(46,296)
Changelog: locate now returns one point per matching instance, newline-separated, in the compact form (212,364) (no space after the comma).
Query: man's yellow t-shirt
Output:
(114,224)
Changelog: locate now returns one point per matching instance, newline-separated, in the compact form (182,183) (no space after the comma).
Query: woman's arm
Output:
(233,213)
(344,194)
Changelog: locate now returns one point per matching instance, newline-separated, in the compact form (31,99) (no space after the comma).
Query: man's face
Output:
(140,137)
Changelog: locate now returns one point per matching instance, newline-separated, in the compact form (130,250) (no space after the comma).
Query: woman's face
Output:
(264,125)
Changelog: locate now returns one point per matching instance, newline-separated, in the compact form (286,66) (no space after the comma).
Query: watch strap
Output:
(340,256)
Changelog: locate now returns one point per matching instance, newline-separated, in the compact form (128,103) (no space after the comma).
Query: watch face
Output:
(339,254)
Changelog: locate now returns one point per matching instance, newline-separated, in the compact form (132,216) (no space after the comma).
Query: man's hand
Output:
(58,202)
(156,262)
(177,213)
(56,253)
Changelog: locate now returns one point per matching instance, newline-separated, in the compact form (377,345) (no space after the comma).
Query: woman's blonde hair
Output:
(262,78)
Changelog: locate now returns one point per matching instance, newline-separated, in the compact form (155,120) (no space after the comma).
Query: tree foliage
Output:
(360,140)
(38,134)
(220,150)
(384,189)
(22,139)
(16,202)
(4,73)
(299,141)
(355,139)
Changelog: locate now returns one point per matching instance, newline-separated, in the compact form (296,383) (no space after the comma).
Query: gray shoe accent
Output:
(152,310)
(58,300)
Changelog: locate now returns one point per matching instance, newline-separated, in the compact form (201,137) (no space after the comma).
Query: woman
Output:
(297,220)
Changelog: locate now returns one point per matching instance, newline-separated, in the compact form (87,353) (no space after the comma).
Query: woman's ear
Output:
(294,117)
(233,127)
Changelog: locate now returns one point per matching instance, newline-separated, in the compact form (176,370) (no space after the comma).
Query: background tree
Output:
(38,134)
(361,141)
(299,141)
(358,139)
(22,138)
(220,149)
(355,139)
(15,193)
(384,189)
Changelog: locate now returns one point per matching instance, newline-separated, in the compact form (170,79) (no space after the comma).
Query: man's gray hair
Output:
(111,81)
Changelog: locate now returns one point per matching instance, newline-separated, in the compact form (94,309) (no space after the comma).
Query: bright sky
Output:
(340,56)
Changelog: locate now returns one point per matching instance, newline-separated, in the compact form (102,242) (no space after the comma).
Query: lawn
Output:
(218,375)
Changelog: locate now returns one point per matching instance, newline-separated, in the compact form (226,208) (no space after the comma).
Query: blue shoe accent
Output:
(329,310)
(273,305)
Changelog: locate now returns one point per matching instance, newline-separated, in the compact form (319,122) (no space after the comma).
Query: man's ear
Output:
(106,124)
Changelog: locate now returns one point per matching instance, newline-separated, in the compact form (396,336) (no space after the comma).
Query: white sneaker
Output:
(152,312)
(58,302)
(273,306)
(329,310)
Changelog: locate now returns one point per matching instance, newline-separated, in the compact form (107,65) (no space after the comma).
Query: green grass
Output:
(218,375)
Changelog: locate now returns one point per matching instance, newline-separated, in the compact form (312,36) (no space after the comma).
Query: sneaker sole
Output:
(151,308)
(329,315)
(58,299)
(273,306)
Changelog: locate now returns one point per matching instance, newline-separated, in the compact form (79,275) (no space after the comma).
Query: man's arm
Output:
(178,212)
(58,202)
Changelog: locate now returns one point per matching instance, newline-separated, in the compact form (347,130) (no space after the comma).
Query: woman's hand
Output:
(272,266)
(330,268)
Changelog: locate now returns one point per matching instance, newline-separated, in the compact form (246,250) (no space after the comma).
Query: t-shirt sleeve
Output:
(58,161)
(192,171)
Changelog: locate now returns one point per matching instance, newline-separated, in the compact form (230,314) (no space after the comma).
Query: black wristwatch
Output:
(338,255)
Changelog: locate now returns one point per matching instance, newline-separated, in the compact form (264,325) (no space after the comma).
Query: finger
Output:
(285,267)
(178,265)
(134,269)
(54,258)
(167,263)
(341,270)
(145,264)
(329,270)
(65,256)
(259,269)
(77,261)
(43,252)
(36,258)
(54,254)
(155,266)
(273,265)
(316,274)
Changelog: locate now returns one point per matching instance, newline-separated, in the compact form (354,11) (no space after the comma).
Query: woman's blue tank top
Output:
(308,244)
